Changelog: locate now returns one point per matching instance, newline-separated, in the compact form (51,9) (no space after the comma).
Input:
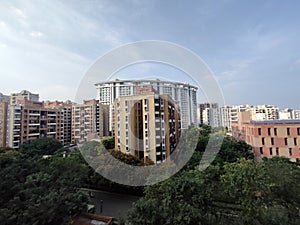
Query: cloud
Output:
(297,61)
(36,34)
(52,45)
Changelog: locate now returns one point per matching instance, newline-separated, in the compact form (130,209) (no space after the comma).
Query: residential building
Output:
(23,95)
(147,126)
(89,119)
(182,93)
(269,138)
(4,98)
(66,112)
(209,114)
(3,123)
(229,114)
(264,112)
(296,114)
(30,120)
(285,114)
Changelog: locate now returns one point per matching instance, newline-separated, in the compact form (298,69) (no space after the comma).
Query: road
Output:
(112,204)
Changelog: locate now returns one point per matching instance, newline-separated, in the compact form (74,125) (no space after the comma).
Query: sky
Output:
(251,47)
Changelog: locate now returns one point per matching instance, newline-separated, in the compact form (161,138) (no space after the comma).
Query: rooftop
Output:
(275,122)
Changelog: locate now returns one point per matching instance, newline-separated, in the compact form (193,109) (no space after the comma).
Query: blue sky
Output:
(252,47)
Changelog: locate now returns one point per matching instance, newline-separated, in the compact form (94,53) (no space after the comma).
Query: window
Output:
(272,141)
(277,151)
(275,131)
(288,131)
(298,130)
(259,131)
(271,151)
(285,141)
(261,150)
(295,141)
(290,151)
(269,131)
(263,141)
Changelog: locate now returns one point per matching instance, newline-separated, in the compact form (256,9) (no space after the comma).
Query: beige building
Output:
(147,126)
(89,120)
(30,120)
(27,95)
(3,123)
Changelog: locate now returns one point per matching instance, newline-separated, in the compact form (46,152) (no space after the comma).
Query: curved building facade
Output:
(182,93)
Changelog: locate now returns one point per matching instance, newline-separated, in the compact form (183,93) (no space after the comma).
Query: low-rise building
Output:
(270,137)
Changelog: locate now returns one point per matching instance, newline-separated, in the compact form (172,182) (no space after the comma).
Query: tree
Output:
(42,191)
(109,143)
(41,146)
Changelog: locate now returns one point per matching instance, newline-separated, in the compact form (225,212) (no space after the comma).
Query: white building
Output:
(285,114)
(183,93)
(296,114)
(209,114)
(229,114)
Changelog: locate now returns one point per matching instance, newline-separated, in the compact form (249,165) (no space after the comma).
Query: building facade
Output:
(270,138)
(89,119)
(147,126)
(182,93)
(3,123)
(66,112)
(4,98)
(27,95)
(31,120)
(209,114)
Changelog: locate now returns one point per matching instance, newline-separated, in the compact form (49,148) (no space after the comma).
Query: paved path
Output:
(112,204)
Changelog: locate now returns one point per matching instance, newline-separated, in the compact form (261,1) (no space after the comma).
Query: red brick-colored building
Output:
(270,138)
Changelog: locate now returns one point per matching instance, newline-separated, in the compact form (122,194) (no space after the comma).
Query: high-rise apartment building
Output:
(30,120)
(89,119)
(23,95)
(209,114)
(182,93)
(264,112)
(296,114)
(66,112)
(3,123)
(147,126)
(229,114)
(4,98)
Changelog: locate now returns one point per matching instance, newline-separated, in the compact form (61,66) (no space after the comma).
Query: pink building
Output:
(270,138)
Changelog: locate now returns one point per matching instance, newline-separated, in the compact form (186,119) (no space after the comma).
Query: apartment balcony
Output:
(51,132)
(34,114)
(34,134)
(33,124)
(51,124)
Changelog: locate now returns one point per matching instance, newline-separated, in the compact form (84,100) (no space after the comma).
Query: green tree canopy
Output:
(41,146)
